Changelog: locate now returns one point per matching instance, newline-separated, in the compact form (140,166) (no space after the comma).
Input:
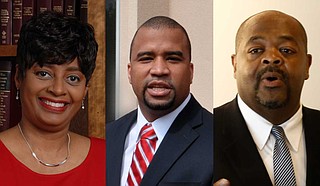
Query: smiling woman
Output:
(55,60)
(56,89)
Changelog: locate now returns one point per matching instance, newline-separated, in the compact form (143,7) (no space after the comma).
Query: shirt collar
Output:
(162,124)
(260,128)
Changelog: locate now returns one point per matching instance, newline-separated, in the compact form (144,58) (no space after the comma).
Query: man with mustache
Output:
(270,66)
(180,145)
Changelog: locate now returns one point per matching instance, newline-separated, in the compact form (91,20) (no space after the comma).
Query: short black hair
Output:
(158,22)
(54,38)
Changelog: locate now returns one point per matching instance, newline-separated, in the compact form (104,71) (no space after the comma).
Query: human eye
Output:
(286,50)
(255,50)
(73,79)
(41,74)
(174,58)
(145,59)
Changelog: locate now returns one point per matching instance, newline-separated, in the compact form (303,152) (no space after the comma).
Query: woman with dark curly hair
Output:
(55,60)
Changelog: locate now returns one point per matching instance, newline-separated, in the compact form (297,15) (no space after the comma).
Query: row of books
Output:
(10,110)
(16,12)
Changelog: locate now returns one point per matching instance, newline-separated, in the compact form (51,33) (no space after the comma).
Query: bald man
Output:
(270,66)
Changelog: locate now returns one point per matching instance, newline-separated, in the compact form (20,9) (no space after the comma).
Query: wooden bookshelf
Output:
(8,50)
(95,113)
(97,87)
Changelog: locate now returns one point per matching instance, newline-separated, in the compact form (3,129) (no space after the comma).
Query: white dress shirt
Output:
(160,126)
(260,130)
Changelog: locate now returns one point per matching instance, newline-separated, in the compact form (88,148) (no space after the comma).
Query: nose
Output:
(57,87)
(272,57)
(159,67)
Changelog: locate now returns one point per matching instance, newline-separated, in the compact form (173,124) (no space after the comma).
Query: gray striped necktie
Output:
(282,163)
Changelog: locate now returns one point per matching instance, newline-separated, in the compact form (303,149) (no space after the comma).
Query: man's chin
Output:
(159,104)
(271,100)
(272,104)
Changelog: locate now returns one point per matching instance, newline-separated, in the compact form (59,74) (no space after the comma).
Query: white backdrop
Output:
(229,14)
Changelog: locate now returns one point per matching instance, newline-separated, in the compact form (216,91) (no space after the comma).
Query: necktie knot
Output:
(147,132)
(278,132)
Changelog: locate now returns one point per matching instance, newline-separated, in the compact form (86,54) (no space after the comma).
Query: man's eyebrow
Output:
(283,37)
(144,53)
(255,38)
(147,53)
(288,38)
(177,53)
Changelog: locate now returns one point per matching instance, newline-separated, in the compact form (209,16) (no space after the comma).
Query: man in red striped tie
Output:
(168,139)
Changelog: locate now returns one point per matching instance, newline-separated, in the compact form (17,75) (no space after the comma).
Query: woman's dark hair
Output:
(54,38)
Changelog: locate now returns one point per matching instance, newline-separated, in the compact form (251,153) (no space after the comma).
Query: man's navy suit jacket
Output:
(185,156)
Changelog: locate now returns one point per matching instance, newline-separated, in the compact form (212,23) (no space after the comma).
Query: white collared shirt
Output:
(260,130)
(160,126)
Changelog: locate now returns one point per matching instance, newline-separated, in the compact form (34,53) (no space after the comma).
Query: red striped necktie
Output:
(143,155)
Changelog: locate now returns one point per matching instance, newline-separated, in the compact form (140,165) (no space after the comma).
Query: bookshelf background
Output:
(91,121)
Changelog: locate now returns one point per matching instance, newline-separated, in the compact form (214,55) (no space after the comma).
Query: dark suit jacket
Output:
(185,156)
(237,158)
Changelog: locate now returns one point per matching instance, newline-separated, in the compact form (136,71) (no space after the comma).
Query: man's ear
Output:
(129,72)
(234,64)
(309,62)
(191,72)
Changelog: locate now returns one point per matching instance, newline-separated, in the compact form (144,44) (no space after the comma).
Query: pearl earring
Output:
(17,95)
(82,104)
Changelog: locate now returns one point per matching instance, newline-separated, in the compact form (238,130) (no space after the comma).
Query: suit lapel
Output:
(179,137)
(115,149)
(246,161)
(240,149)
(311,119)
